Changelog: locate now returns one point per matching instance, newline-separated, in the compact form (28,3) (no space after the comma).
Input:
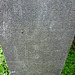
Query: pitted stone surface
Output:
(36,35)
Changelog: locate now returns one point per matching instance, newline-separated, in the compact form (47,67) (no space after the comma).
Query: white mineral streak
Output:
(6,26)
(12,72)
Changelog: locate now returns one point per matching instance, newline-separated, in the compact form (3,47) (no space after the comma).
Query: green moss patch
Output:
(3,65)
(69,67)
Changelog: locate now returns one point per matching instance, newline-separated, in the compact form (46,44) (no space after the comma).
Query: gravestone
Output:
(36,35)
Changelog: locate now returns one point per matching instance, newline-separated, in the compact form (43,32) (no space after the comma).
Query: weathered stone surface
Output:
(73,5)
(36,35)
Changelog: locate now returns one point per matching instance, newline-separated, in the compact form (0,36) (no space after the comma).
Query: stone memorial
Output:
(36,35)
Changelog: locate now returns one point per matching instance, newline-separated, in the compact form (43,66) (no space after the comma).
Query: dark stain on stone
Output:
(22,31)
(73,42)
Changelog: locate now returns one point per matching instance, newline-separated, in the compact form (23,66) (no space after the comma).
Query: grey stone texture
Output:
(36,35)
